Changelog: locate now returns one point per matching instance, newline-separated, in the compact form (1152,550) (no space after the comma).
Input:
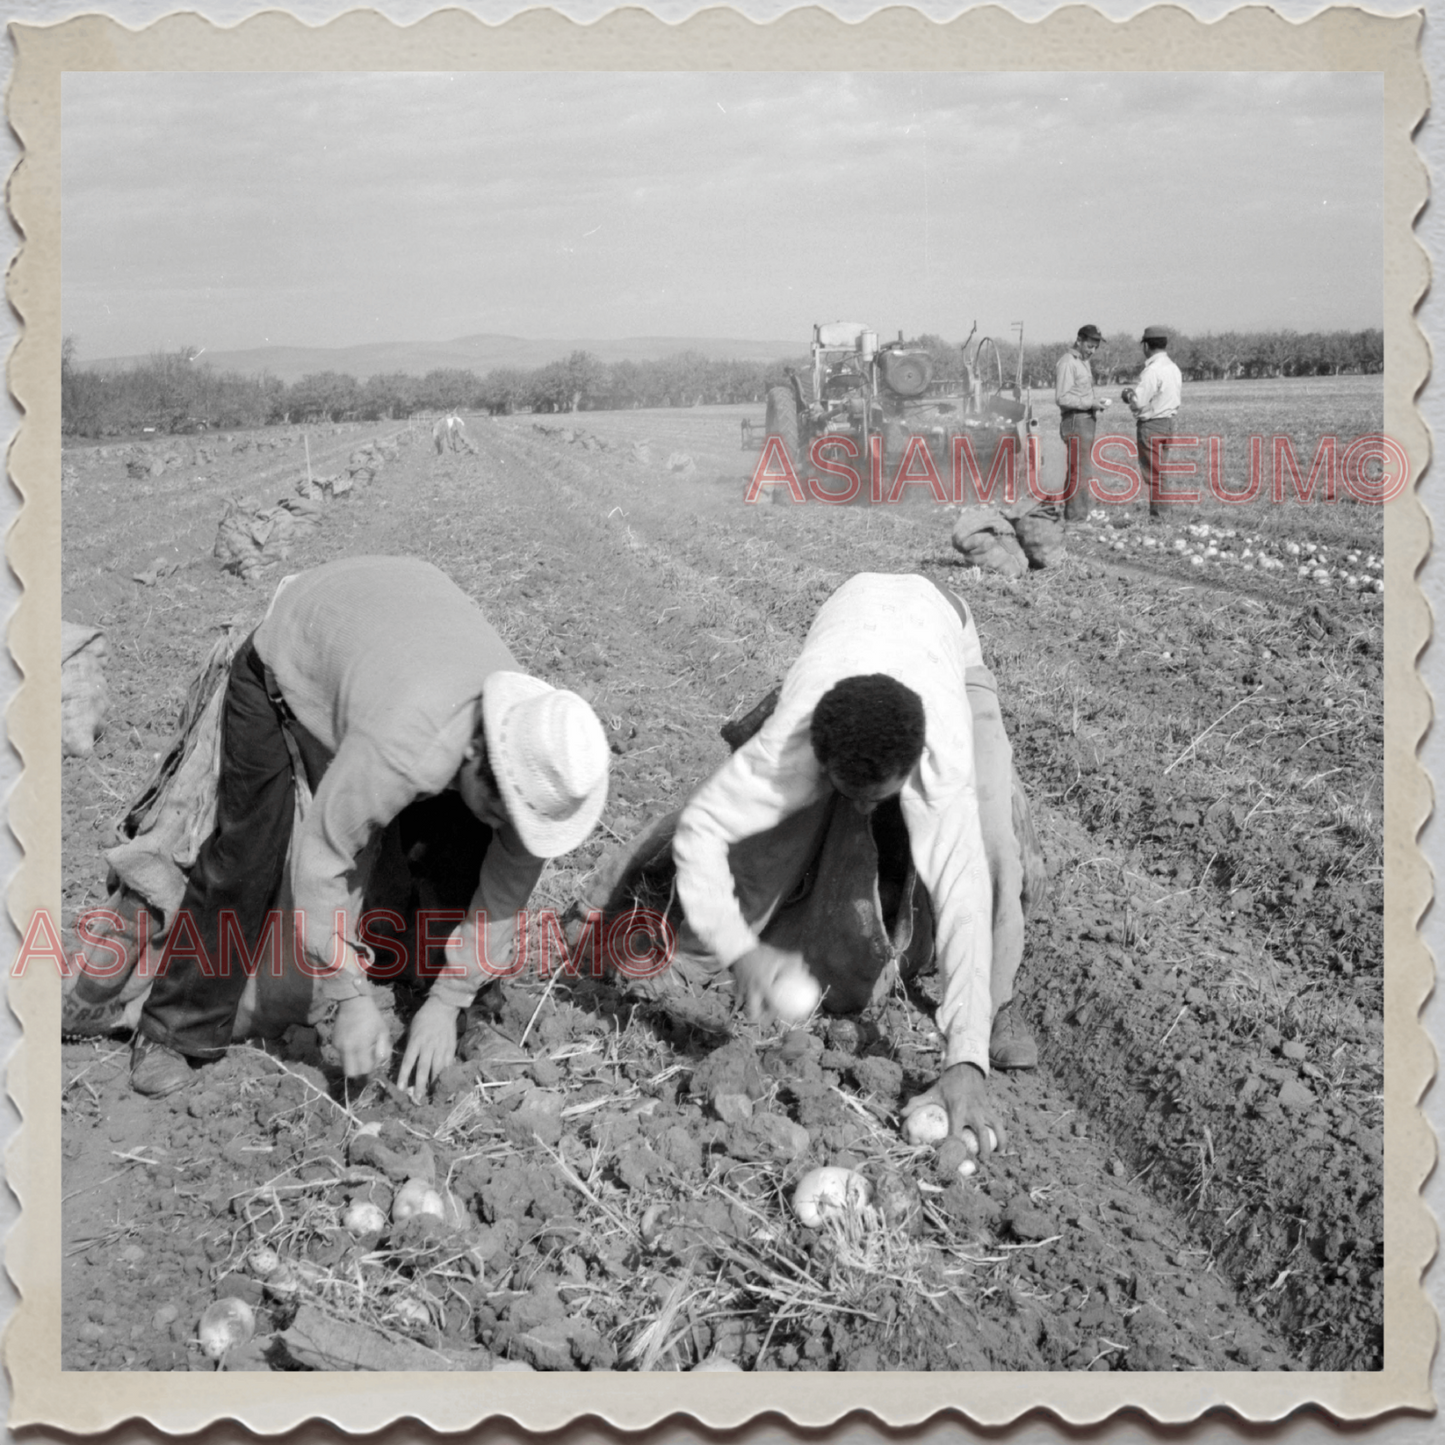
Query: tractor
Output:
(859,389)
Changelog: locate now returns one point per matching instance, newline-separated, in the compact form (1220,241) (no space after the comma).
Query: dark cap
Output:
(1155,333)
(1090,333)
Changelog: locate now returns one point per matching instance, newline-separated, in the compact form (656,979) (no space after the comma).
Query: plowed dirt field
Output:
(1192,1178)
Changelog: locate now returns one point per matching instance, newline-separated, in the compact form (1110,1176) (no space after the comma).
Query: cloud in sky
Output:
(232,210)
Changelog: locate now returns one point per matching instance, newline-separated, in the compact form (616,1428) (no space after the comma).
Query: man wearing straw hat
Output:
(382,683)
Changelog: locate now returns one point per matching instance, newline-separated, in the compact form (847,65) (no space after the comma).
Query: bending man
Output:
(450,433)
(890,698)
(404,706)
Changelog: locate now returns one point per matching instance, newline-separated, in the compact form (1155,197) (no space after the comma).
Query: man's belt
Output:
(275,695)
(1077,410)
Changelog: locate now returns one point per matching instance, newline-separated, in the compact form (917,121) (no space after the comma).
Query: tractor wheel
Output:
(782,419)
(988,368)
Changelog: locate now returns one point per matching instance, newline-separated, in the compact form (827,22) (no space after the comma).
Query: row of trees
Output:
(581,382)
(176,392)
(168,392)
(1215,356)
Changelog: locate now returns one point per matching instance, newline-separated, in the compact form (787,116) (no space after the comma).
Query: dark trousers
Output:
(1077,430)
(192,1007)
(1154,437)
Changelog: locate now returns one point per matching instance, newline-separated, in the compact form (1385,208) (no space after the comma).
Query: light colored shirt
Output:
(902,626)
(1159,388)
(1074,382)
(383,661)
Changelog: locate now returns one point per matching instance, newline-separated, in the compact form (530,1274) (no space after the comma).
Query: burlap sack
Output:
(84,698)
(1042,539)
(986,539)
(250,539)
(146,882)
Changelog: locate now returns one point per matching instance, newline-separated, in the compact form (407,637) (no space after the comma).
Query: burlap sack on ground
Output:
(986,539)
(1042,538)
(84,698)
(252,538)
(314,490)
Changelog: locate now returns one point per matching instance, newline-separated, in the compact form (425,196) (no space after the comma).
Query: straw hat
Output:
(550,758)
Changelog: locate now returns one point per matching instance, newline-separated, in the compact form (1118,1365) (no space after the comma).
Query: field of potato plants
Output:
(1192,1180)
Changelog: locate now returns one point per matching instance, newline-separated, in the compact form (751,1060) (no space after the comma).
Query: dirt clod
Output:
(1026,1220)
(732,1108)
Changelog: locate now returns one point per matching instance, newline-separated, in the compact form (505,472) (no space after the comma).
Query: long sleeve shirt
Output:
(1159,388)
(383,661)
(1073,382)
(902,626)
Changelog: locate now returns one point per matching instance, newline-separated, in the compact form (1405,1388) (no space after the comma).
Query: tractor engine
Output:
(905,373)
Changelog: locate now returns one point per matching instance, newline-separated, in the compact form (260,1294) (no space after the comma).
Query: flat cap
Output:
(1155,333)
(1090,333)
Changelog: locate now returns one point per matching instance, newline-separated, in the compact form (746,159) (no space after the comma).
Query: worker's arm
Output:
(946,841)
(481,948)
(947,845)
(509,874)
(769,778)
(359,795)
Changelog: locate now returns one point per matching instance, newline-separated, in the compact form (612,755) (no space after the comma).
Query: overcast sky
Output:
(232,211)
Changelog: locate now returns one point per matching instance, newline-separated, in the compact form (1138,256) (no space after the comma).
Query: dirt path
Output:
(1191,1180)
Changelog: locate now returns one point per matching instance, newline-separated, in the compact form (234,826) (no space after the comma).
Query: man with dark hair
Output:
(1154,399)
(889,700)
(379,682)
(867,731)
(1078,410)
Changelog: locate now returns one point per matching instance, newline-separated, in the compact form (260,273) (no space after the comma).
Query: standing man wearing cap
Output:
(1078,409)
(384,681)
(1154,399)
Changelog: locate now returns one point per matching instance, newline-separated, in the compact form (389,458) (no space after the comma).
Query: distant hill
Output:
(481,354)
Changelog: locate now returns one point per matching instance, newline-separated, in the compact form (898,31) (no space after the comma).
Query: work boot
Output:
(1011,1045)
(156,1070)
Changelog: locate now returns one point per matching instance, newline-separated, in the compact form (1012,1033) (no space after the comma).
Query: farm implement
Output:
(857,389)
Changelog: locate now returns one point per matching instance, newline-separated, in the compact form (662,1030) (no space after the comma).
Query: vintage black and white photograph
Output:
(723,721)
